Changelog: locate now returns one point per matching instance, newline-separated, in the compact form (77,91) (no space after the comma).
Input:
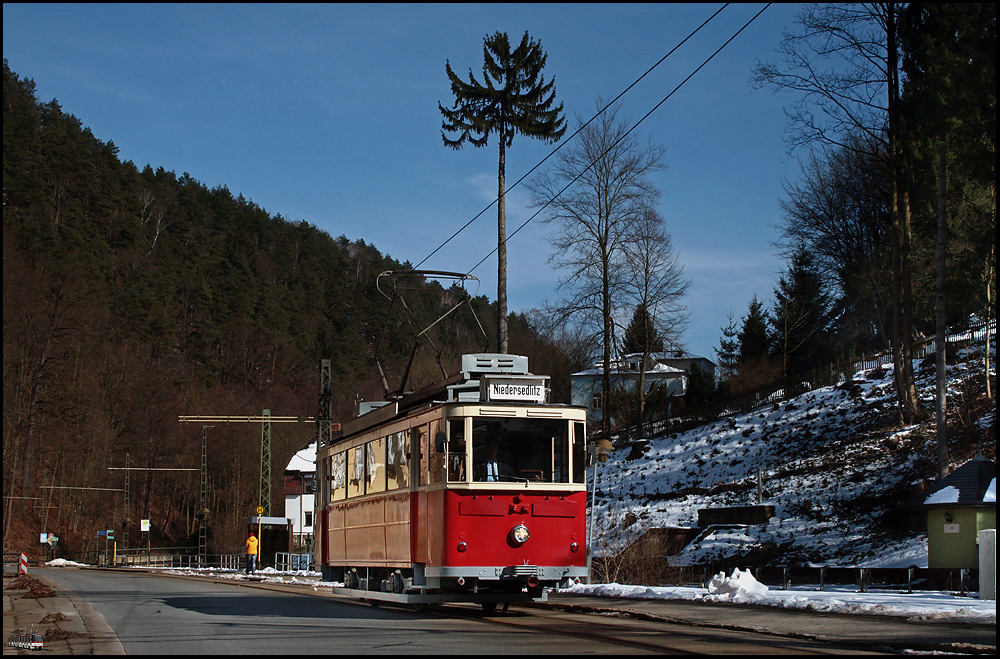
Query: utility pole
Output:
(324,430)
(264,500)
(126,520)
(265,443)
(203,515)
(325,434)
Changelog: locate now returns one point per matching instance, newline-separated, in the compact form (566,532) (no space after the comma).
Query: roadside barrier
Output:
(284,561)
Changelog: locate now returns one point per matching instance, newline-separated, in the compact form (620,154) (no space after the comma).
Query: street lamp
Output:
(599,452)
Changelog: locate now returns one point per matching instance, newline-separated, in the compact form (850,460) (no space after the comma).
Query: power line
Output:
(598,114)
(626,134)
(553,152)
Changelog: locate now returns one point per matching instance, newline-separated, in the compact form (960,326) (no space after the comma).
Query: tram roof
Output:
(467,386)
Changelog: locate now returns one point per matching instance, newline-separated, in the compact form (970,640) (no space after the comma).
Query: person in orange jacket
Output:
(252,545)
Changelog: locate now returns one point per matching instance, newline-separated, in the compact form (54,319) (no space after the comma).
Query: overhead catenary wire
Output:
(570,138)
(583,126)
(624,135)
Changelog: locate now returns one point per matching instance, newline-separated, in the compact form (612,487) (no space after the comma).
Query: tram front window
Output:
(520,450)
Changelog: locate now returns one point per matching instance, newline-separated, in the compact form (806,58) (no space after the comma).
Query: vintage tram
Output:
(471,490)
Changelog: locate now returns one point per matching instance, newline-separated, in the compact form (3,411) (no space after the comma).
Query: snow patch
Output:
(944,495)
(740,586)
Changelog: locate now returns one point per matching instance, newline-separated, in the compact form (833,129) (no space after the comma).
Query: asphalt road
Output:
(151,613)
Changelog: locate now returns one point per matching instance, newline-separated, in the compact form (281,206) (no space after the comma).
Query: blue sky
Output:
(329,114)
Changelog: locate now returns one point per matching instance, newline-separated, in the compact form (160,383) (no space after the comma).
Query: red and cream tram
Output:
(472,490)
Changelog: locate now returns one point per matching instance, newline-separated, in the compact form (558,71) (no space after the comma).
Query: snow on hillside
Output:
(833,466)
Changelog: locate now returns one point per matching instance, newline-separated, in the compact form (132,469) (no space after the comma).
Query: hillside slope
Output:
(834,466)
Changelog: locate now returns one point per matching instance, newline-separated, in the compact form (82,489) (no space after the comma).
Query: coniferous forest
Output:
(135,296)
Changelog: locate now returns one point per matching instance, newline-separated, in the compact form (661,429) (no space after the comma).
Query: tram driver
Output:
(492,470)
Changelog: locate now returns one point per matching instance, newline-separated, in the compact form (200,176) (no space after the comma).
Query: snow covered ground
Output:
(739,587)
(830,461)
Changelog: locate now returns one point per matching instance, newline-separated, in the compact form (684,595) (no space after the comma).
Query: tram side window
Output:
(338,477)
(456,451)
(436,460)
(579,453)
(375,466)
(397,470)
(356,469)
(418,440)
(322,470)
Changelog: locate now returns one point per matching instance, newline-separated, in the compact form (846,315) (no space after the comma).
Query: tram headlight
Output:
(519,534)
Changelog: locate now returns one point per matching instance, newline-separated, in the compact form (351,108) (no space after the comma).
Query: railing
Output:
(821,577)
(158,557)
(790,387)
(285,561)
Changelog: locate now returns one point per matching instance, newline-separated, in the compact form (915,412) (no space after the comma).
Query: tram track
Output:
(636,633)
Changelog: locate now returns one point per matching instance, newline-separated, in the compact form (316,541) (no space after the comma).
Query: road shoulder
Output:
(69,625)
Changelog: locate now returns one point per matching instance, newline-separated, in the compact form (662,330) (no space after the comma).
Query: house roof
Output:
(618,367)
(972,484)
(304,460)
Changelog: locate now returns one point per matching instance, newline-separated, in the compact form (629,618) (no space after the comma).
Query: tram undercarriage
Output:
(521,583)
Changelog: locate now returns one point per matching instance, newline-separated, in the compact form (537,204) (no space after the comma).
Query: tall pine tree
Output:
(801,317)
(513,98)
(755,365)
(641,335)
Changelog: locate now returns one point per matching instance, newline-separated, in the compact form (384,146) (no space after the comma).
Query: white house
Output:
(300,488)
(662,368)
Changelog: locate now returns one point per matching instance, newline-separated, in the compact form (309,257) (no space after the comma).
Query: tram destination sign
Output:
(515,390)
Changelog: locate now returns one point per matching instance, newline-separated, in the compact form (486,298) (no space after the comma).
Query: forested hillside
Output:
(133,296)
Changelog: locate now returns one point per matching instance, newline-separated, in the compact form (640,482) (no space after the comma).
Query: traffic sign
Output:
(260,510)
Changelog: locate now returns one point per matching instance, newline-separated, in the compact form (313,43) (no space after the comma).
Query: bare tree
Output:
(656,283)
(859,93)
(838,212)
(513,98)
(595,196)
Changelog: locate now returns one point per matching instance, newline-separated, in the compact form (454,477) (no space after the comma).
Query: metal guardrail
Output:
(821,577)
(285,561)
(792,386)
(161,559)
